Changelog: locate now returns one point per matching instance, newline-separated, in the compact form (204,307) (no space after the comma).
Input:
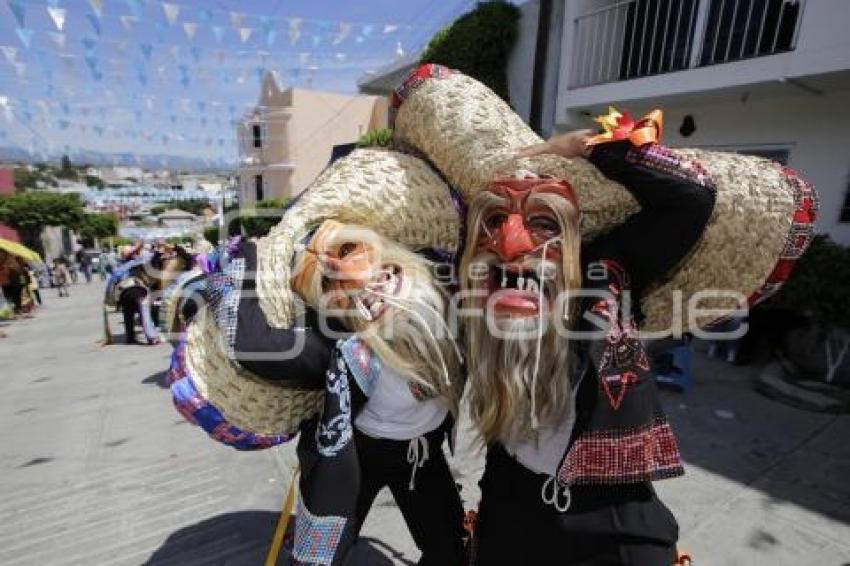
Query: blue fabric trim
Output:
(196,409)
(363,364)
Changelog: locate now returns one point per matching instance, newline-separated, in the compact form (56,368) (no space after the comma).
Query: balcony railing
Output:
(638,38)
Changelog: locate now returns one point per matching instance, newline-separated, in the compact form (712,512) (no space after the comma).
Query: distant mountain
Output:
(157,161)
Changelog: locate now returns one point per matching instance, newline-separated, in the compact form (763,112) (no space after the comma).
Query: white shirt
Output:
(393,412)
(542,452)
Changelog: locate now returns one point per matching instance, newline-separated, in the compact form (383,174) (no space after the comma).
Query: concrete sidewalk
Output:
(98,468)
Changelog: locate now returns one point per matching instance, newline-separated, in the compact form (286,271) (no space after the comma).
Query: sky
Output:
(149,77)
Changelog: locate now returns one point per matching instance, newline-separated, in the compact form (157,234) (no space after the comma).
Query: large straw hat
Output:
(398,195)
(762,219)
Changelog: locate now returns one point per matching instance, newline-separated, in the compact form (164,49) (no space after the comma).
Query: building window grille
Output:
(257,131)
(258,188)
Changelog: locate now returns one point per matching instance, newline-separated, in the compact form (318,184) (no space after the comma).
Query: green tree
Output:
(97,226)
(478,44)
(30,212)
(26,179)
(258,221)
(820,289)
(211,234)
(95,182)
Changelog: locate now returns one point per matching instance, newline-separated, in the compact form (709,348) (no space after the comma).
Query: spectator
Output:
(10,279)
(61,277)
(32,286)
(84,262)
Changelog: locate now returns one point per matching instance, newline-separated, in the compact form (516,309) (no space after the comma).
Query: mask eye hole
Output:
(495,220)
(544,225)
(346,249)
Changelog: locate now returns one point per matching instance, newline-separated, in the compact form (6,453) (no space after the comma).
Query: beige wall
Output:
(300,128)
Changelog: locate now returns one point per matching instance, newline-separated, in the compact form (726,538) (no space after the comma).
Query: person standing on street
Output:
(84,261)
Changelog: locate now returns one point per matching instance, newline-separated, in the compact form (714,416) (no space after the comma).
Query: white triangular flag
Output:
(128,22)
(236,19)
(344,30)
(58,16)
(171,12)
(294,30)
(11,53)
(190,29)
(20,69)
(245,34)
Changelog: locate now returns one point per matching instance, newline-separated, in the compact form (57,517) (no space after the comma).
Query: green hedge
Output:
(478,44)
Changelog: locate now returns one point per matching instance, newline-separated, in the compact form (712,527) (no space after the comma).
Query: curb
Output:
(773,384)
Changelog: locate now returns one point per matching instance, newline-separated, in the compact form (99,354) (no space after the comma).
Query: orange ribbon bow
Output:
(620,126)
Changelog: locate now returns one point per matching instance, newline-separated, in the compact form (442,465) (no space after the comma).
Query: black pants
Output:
(12,292)
(432,510)
(604,525)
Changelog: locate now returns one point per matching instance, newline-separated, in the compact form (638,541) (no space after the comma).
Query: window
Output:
(658,37)
(845,208)
(749,28)
(258,187)
(257,131)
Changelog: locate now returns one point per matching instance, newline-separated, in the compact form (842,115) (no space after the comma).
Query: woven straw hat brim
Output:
(244,399)
(746,236)
(470,135)
(396,194)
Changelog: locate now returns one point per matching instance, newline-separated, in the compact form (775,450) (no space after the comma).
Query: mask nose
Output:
(512,239)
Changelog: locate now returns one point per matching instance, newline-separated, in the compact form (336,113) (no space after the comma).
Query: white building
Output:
(769,77)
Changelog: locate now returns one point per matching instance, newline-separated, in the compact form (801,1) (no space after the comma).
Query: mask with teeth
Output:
(521,260)
(387,295)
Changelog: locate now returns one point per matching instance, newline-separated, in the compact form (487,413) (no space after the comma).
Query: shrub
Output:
(819,288)
(376,138)
(478,44)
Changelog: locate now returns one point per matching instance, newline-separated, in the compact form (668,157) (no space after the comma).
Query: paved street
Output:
(98,468)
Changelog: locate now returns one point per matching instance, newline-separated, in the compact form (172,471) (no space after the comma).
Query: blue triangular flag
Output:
(95,23)
(146,48)
(89,43)
(218,32)
(25,35)
(205,15)
(18,11)
(196,54)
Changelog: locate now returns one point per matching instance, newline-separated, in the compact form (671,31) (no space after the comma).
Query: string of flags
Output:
(100,68)
(297,31)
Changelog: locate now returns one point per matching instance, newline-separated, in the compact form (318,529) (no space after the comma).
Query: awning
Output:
(19,250)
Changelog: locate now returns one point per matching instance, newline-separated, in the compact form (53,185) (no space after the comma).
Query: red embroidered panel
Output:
(798,239)
(416,77)
(646,454)
(623,354)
